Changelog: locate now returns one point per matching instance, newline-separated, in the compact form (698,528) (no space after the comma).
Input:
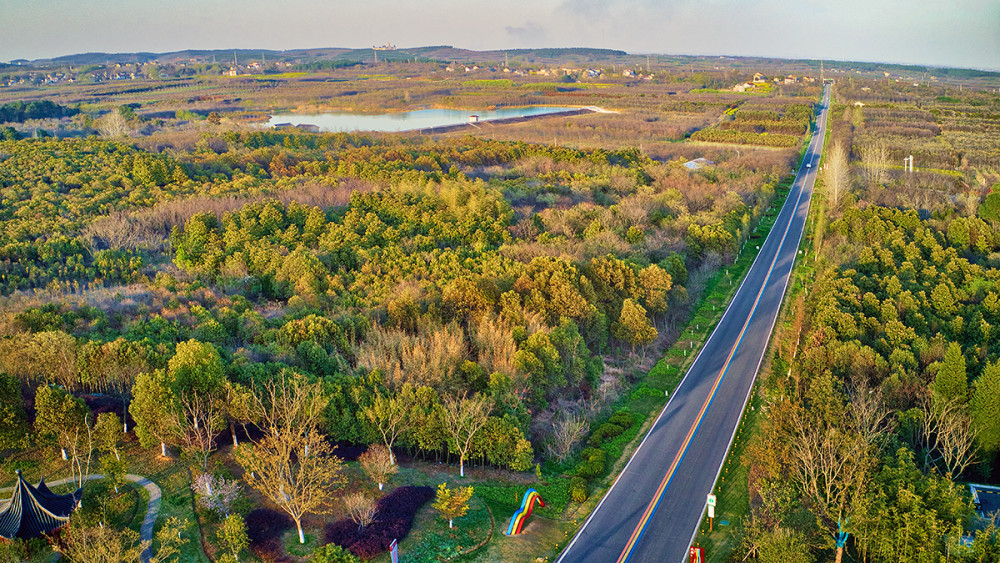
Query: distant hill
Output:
(443,53)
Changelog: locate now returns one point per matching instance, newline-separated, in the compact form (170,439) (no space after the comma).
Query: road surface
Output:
(652,511)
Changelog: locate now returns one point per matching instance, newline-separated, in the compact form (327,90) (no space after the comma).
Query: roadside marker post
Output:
(711,511)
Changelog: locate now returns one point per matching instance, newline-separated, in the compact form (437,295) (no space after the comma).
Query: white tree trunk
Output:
(163,448)
(461,467)
(449,523)
(235,441)
(302,536)
(392,459)
(64,454)
(380,486)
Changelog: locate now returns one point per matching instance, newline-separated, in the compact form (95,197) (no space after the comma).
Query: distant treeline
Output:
(20,111)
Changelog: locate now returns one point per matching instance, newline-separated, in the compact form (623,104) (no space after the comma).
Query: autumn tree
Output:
(463,417)
(633,326)
(452,503)
(296,471)
(377,463)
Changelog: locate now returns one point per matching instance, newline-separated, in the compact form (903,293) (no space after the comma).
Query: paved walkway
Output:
(146,531)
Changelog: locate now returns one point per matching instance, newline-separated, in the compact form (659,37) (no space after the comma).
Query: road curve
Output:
(152,509)
(652,511)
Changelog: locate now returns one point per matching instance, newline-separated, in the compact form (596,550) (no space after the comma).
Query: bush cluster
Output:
(578,489)
(592,463)
(393,519)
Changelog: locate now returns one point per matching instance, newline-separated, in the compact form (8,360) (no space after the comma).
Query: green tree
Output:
(985,408)
(951,382)
(332,553)
(60,416)
(13,420)
(154,409)
(108,433)
(114,470)
(232,535)
(389,415)
(452,503)
(463,417)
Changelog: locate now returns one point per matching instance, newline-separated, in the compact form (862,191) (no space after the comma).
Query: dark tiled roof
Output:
(33,511)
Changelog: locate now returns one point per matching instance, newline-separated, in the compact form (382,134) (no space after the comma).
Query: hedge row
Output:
(394,515)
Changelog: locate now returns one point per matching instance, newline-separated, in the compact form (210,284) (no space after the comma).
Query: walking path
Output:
(148,523)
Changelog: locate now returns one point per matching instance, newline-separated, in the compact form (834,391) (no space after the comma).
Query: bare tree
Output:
(288,407)
(361,508)
(114,125)
(831,465)
(463,417)
(566,432)
(875,162)
(947,437)
(296,471)
(378,464)
(202,419)
(837,172)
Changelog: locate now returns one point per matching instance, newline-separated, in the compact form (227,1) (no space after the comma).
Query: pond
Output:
(405,121)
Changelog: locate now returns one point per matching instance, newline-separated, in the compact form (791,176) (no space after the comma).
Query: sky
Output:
(958,33)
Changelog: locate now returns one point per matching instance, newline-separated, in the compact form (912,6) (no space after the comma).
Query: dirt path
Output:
(148,523)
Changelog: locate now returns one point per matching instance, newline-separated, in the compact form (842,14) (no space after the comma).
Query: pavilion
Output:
(35,510)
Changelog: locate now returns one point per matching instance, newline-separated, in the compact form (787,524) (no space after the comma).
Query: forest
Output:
(881,399)
(316,343)
(381,304)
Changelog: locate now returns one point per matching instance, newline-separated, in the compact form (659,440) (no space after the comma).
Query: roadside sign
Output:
(711,511)
(697,555)
(394,551)
(711,500)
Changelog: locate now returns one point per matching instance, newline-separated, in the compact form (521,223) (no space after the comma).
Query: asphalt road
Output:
(654,508)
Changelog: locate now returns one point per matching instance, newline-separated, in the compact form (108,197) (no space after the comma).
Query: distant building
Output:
(743,87)
(759,78)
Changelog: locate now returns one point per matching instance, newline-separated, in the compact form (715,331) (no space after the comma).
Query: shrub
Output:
(623,418)
(394,515)
(592,462)
(578,489)
(332,553)
(264,529)
(605,431)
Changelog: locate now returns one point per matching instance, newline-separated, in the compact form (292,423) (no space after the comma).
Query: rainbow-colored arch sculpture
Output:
(527,503)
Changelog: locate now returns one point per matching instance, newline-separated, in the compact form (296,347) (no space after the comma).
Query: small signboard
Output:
(711,511)
(394,551)
(711,500)
(697,555)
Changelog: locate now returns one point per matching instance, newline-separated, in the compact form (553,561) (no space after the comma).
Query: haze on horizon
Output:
(955,33)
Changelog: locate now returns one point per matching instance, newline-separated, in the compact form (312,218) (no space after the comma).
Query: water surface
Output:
(404,121)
